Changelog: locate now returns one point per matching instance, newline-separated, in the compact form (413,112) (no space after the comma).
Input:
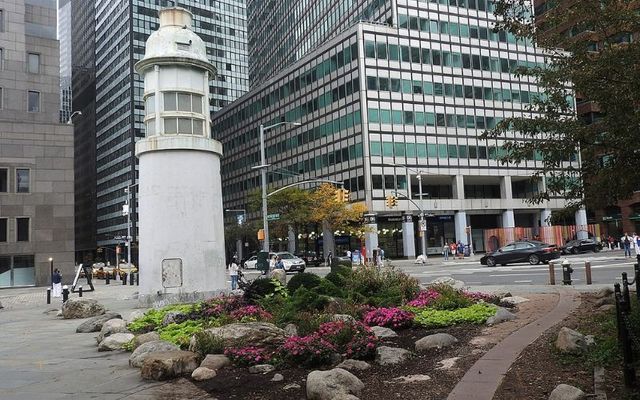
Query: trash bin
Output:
(467,250)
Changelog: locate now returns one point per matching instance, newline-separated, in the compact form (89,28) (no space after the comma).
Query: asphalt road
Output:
(606,268)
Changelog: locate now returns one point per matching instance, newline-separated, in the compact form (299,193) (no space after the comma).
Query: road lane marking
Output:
(503,275)
(522,281)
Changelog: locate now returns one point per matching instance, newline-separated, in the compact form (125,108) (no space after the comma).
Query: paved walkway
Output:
(483,379)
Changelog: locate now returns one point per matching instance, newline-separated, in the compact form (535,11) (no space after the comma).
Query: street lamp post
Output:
(51,270)
(263,175)
(423,234)
(127,190)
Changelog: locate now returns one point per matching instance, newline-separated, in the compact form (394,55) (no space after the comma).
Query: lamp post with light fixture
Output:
(51,270)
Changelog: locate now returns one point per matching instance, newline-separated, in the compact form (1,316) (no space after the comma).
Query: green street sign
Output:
(273,217)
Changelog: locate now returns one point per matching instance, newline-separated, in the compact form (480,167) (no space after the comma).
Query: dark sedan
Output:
(581,246)
(530,251)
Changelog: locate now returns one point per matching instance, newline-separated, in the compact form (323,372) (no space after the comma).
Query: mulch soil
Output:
(238,383)
(540,368)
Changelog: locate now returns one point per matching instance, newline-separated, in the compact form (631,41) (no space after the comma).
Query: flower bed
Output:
(474,314)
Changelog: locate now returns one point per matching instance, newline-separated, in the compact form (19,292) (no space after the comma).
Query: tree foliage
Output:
(339,215)
(586,55)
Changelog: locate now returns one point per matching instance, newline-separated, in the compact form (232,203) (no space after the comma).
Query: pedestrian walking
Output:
(445,251)
(329,259)
(272,262)
(233,273)
(57,283)
(460,248)
(279,263)
(626,242)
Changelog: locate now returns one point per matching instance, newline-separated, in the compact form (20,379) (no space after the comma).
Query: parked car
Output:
(530,251)
(310,258)
(291,262)
(251,262)
(581,246)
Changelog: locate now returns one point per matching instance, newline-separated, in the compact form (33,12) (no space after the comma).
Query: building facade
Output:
(36,151)
(64,38)
(120,30)
(386,108)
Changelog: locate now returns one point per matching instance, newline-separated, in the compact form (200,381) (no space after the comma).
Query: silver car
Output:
(292,263)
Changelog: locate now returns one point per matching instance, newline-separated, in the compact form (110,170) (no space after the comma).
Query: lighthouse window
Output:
(151,127)
(150,104)
(170,126)
(184,126)
(184,102)
(170,101)
(197,104)
(197,127)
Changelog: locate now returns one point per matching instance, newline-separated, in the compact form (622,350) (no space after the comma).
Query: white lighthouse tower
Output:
(180,191)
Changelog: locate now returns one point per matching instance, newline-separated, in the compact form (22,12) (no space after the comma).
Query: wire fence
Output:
(627,333)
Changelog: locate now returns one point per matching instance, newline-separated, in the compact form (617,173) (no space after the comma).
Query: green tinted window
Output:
(387,149)
(394,54)
(376,149)
(370,49)
(374,115)
(396,117)
(411,149)
(442,151)
(385,116)
(432,150)
(399,149)
(421,150)
(430,118)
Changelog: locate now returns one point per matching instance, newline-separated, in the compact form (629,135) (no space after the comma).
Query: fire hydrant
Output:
(566,272)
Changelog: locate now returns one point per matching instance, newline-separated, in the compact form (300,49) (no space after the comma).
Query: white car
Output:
(252,262)
(292,263)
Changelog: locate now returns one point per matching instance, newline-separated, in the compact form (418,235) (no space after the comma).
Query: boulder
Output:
(115,341)
(110,327)
(437,341)
(513,300)
(174,317)
(351,364)
(135,314)
(391,355)
(277,378)
(502,315)
(346,397)
(566,392)
(94,324)
(136,359)
(570,341)
(165,365)
(144,338)
(81,308)
(447,280)
(604,292)
(203,374)
(447,363)
(256,333)
(342,317)
(291,386)
(382,332)
(328,385)
(215,361)
(291,330)
(607,307)
(280,275)
(412,378)
(604,301)
(261,369)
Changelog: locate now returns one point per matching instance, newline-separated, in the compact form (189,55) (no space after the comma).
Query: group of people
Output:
(456,250)
(234,267)
(629,243)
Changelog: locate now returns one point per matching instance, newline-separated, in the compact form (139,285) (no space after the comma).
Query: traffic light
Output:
(392,201)
(345,195)
(339,195)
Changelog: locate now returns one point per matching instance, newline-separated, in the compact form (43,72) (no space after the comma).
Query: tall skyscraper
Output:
(64,38)
(36,151)
(121,29)
(394,106)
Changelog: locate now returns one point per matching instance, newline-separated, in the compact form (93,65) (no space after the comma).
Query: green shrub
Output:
(153,318)
(450,298)
(328,288)
(304,299)
(180,334)
(209,344)
(129,346)
(309,322)
(260,288)
(384,287)
(475,314)
(336,278)
(305,279)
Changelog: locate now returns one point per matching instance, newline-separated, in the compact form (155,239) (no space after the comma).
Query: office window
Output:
(1,57)
(33,101)
(4,180)
(22,180)
(33,63)
(1,20)
(3,229)
(22,229)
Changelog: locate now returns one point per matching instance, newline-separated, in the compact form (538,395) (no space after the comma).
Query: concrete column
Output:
(460,222)
(458,187)
(545,216)
(408,236)
(328,241)
(505,188)
(508,222)
(371,234)
(239,249)
(581,224)
(291,247)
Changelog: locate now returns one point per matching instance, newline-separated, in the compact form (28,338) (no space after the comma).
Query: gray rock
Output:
(335,358)
(94,324)
(328,385)
(607,307)
(280,275)
(215,361)
(412,378)
(351,364)
(502,294)
(291,386)
(165,365)
(136,359)
(513,300)
(437,341)
(145,338)
(343,317)
(203,374)
(115,341)
(173,317)
(447,280)
(391,355)
(81,308)
(277,378)
(448,363)
(570,341)
(566,392)
(346,397)
(604,301)
(382,332)
(135,314)
(604,292)
(261,369)
(256,333)
(110,327)
(291,330)
(502,315)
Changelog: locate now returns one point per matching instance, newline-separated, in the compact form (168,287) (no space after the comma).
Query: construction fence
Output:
(557,234)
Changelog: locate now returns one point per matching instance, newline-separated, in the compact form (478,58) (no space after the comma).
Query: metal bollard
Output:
(79,291)
(137,278)
(552,274)
(587,270)
(131,278)
(65,293)
(124,279)
(49,296)
(107,278)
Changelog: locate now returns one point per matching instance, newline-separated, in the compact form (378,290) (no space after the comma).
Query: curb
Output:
(485,376)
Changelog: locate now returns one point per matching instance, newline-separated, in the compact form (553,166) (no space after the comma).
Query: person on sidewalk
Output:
(626,242)
(57,283)
(445,251)
(233,273)
(460,249)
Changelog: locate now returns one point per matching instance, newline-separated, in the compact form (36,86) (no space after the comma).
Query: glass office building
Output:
(379,104)
(122,27)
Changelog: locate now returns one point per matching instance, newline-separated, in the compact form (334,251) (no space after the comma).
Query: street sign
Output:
(423,225)
(273,217)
